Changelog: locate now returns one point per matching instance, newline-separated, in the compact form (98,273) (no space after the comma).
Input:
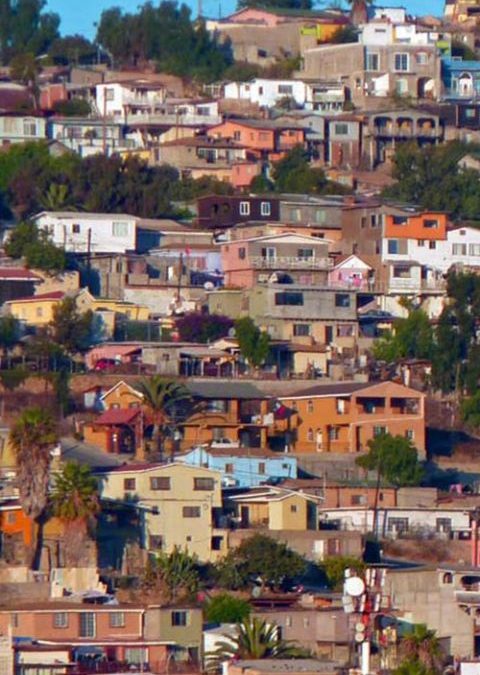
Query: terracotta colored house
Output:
(344,416)
(265,139)
(430,226)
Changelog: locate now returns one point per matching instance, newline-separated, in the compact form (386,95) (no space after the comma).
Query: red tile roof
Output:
(118,416)
(54,295)
(18,273)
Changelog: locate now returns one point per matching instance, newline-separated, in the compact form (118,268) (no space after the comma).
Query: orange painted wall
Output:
(414,227)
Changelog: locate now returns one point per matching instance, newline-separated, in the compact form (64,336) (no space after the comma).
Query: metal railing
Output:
(291,262)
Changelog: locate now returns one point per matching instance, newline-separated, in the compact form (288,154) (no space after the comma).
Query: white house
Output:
(88,136)
(78,232)
(118,99)
(392,522)
(21,127)
(267,92)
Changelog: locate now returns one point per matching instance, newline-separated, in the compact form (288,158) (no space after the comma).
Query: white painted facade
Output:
(393,14)
(116,99)
(266,92)
(462,247)
(393,522)
(18,128)
(382,33)
(94,232)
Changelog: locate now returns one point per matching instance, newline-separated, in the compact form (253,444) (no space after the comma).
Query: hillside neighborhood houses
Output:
(239,341)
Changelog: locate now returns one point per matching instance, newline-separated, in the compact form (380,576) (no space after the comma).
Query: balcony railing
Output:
(405,132)
(291,262)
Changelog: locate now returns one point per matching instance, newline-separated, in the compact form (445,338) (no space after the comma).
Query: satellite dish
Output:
(360,627)
(354,586)
(209,286)
(256,592)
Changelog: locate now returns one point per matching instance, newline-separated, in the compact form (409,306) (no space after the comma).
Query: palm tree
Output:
(57,198)
(75,501)
(163,399)
(33,437)
(359,11)
(421,645)
(255,639)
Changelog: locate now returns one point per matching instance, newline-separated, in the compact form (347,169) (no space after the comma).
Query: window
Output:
(76,228)
(229,468)
(129,484)
(11,518)
(401,62)
(179,617)
(117,619)
(342,300)
(288,621)
(401,86)
(341,406)
(285,89)
(301,329)
(363,222)
(14,619)
(109,93)
(410,434)
(320,216)
(244,208)
(237,135)
(421,242)
(310,407)
(39,311)
(261,468)
(120,229)
(310,437)
(265,208)
(443,525)
(191,512)
(137,655)
(430,224)
(357,500)
(242,253)
(305,253)
(372,61)
(341,129)
(60,620)
(160,483)
(422,58)
(379,431)
(398,525)
(203,483)
(474,249)
(432,244)
(87,625)
(400,220)
(155,542)
(459,249)
(397,246)
(216,543)
(289,298)
(470,113)
(293,508)
(29,128)
(334,433)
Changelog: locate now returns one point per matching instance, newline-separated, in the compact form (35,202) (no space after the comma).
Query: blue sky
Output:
(79,17)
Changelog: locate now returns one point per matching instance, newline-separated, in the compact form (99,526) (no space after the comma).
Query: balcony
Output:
(290,263)
(396,131)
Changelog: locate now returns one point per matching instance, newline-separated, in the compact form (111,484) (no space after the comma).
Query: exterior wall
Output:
(416,227)
(34,312)
(222,211)
(353,427)
(337,496)
(351,273)
(159,625)
(79,234)
(259,140)
(15,521)
(288,514)
(170,523)
(21,129)
(422,597)
(266,92)
(247,470)
(121,396)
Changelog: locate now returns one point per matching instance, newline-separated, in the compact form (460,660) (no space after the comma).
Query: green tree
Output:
(174,575)
(395,460)
(163,399)
(293,173)
(226,608)
(72,50)
(263,558)
(71,328)
(33,436)
(411,337)
(255,639)
(253,343)
(202,327)
(470,411)
(334,568)
(74,107)
(25,68)
(57,198)
(28,242)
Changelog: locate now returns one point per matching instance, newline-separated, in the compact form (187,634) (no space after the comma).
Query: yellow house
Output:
(37,310)
(85,301)
(276,509)
(179,505)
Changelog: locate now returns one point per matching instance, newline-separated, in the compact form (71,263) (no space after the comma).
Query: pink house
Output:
(282,258)
(352,272)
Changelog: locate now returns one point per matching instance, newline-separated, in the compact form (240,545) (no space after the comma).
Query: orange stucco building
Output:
(264,138)
(343,417)
(429,225)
